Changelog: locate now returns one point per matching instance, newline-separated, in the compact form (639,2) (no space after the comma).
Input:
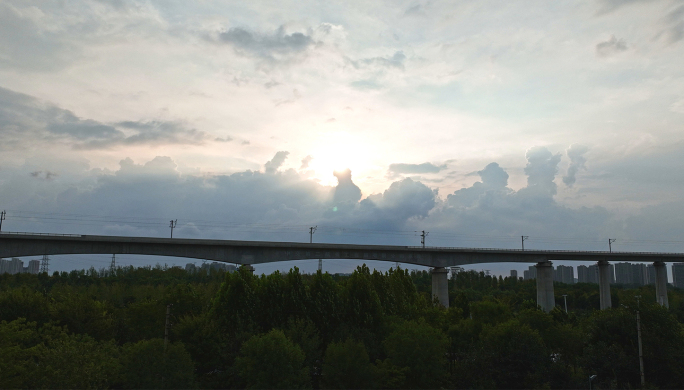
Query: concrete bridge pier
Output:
(545,297)
(440,285)
(661,283)
(604,285)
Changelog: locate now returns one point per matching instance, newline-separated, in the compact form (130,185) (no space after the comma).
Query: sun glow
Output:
(337,151)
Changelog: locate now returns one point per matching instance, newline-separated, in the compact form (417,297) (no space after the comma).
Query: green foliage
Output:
(421,349)
(148,365)
(272,361)
(87,329)
(347,366)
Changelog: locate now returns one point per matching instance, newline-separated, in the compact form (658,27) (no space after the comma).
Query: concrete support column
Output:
(440,285)
(604,285)
(545,297)
(661,283)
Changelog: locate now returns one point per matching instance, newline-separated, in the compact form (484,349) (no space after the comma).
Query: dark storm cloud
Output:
(610,47)
(26,121)
(276,47)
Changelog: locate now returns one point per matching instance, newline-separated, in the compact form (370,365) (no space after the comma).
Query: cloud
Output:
(272,166)
(673,30)
(47,175)
(26,121)
(541,169)
(610,47)
(577,160)
(305,162)
(395,61)
(346,191)
(274,48)
(402,168)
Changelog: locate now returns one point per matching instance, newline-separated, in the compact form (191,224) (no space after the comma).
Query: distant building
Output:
(564,274)
(583,274)
(514,274)
(33,267)
(650,274)
(215,266)
(531,273)
(631,274)
(14,266)
(678,274)
(190,268)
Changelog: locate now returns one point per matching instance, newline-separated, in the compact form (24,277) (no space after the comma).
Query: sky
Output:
(476,121)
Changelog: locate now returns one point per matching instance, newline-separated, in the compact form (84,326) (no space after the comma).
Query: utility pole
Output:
(610,246)
(422,237)
(641,354)
(172,225)
(522,241)
(3,214)
(565,298)
(45,264)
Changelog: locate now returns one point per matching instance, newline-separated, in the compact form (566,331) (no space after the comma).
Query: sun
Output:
(337,151)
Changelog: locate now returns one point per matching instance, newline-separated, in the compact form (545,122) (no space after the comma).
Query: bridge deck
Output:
(255,252)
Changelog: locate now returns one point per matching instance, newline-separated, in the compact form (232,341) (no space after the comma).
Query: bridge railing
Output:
(545,250)
(44,234)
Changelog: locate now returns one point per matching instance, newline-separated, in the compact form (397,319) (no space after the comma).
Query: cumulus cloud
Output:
(346,191)
(306,161)
(541,169)
(610,47)
(25,121)
(275,163)
(577,160)
(276,47)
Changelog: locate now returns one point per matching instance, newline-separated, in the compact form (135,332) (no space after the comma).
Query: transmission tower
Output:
(112,267)
(45,264)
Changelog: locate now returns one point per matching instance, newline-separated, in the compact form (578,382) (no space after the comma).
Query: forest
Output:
(161,327)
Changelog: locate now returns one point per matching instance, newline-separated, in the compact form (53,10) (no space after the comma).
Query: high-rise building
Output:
(531,273)
(514,274)
(16,266)
(583,274)
(631,274)
(564,274)
(33,267)
(189,267)
(650,274)
(678,274)
(623,273)
(639,274)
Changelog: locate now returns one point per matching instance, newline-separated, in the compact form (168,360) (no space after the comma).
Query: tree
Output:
(421,349)
(347,366)
(512,356)
(272,361)
(147,366)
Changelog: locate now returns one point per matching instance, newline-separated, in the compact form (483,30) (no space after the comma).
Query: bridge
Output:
(258,252)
